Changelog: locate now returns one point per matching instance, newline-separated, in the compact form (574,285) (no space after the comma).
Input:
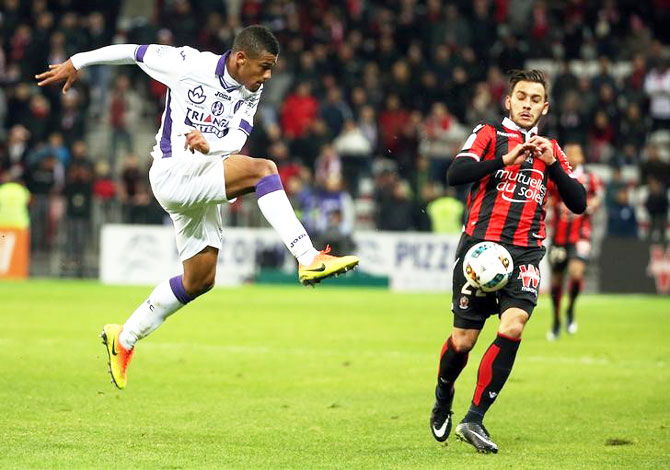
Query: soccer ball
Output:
(487,266)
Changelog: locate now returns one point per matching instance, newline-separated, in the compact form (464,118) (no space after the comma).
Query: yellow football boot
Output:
(119,357)
(325,265)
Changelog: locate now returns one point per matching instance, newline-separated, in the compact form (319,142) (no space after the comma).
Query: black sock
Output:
(493,371)
(452,363)
(573,291)
(556,294)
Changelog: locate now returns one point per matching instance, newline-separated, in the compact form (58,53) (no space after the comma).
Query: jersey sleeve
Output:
(563,159)
(165,64)
(475,146)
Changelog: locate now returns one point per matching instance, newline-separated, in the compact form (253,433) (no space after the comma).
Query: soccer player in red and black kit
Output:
(509,167)
(571,241)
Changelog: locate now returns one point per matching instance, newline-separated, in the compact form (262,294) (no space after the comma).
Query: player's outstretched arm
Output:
(467,170)
(68,71)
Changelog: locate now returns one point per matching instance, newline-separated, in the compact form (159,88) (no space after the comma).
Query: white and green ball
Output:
(487,266)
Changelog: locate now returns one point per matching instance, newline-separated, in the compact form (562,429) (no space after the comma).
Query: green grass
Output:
(278,377)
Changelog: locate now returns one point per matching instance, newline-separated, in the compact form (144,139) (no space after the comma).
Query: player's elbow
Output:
(578,205)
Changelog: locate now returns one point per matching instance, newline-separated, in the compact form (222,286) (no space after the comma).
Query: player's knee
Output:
(463,343)
(197,287)
(265,167)
(512,329)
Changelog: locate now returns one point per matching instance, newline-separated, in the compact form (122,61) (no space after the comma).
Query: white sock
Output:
(161,303)
(277,210)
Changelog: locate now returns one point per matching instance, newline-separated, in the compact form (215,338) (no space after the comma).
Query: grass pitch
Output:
(272,378)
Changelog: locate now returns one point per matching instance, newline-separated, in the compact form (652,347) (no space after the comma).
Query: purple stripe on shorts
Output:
(268,184)
(246,127)
(177,286)
(221,64)
(166,145)
(140,51)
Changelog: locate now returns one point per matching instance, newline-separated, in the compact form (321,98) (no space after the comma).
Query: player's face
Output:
(254,71)
(527,104)
(575,154)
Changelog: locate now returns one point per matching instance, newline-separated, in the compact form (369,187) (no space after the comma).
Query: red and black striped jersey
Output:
(507,205)
(569,228)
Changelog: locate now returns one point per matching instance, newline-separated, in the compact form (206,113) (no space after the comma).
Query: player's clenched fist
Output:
(519,154)
(195,141)
(545,150)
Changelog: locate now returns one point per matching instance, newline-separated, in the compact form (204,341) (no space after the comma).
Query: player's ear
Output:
(545,109)
(508,103)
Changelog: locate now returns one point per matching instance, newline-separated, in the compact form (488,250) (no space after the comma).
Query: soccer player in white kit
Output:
(209,112)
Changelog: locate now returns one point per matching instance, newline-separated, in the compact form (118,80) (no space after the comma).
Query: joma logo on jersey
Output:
(521,186)
(530,277)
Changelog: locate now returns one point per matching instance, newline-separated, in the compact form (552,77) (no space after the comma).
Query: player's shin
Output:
(452,363)
(277,210)
(493,372)
(573,291)
(168,297)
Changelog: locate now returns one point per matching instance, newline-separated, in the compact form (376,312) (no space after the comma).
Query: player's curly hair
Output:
(254,40)
(534,75)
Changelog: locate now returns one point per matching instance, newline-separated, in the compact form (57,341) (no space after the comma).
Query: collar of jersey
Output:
(508,123)
(227,82)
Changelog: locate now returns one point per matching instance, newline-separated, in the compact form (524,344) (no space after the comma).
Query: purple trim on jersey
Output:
(245,127)
(221,64)
(140,51)
(269,184)
(166,145)
(177,286)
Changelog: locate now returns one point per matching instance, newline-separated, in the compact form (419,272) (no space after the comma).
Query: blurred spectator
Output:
(657,208)
(657,86)
(328,165)
(44,179)
(335,221)
(335,111)
(78,194)
(124,110)
(356,152)
(394,205)
(601,138)
(133,192)
(655,167)
(446,213)
(299,110)
(71,121)
(633,128)
(621,219)
(441,137)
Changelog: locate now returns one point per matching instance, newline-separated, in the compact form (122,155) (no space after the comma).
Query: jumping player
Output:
(509,166)
(571,241)
(209,111)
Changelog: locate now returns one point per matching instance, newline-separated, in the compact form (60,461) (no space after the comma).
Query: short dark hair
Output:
(537,76)
(254,40)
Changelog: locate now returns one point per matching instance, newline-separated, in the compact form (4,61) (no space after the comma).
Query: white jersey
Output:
(202,95)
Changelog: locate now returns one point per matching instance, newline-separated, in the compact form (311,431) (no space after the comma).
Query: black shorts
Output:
(472,307)
(560,255)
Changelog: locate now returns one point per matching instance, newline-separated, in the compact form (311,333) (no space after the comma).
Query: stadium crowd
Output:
(368,104)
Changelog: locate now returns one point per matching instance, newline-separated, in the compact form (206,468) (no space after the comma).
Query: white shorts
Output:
(191,188)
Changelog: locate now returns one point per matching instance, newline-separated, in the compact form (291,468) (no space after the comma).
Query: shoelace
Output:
(326,251)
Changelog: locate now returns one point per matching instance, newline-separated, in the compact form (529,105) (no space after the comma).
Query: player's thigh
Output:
(471,306)
(576,268)
(196,229)
(242,173)
(188,183)
(523,287)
